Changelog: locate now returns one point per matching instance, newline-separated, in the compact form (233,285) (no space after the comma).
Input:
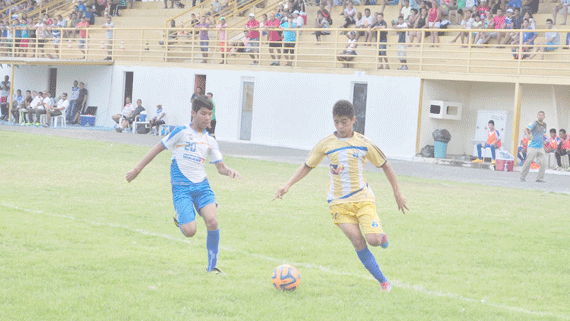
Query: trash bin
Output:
(439,149)
(441,137)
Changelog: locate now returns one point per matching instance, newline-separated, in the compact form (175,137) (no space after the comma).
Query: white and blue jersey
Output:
(190,189)
(189,152)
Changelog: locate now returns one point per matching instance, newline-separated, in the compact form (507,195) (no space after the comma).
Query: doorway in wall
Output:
(129,76)
(200,81)
(246,110)
(359,94)
(52,81)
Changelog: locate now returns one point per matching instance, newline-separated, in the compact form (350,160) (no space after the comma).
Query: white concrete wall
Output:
(290,109)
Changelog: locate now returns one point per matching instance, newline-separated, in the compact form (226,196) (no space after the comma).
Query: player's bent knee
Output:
(374,239)
(188,230)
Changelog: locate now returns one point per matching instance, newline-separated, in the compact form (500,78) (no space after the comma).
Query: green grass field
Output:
(77,242)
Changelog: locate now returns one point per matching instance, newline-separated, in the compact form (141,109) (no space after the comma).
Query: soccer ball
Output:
(286,277)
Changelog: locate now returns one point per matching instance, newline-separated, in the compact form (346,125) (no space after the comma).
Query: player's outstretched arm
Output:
(146,159)
(224,170)
(301,172)
(391,176)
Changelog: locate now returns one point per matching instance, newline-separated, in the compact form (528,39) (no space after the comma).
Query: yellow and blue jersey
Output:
(347,157)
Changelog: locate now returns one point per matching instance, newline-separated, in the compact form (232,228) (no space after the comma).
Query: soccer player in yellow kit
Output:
(350,199)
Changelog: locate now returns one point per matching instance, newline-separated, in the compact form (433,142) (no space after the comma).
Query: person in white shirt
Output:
(406,10)
(552,40)
(298,20)
(125,113)
(37,107)
(157,120)
(109,25)
(56,110)
(191,193)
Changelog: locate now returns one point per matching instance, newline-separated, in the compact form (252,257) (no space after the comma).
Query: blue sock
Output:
(369,261)
(212,242)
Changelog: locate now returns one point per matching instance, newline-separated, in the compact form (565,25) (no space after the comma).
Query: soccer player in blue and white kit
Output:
(190,146)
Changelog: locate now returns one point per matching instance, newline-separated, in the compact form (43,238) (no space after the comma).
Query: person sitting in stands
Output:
(493,142)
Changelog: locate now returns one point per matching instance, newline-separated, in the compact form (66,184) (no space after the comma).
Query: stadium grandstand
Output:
(394,67)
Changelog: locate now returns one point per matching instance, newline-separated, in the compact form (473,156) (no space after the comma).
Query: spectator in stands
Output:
(289,37)
(368,21)
(252,26)
(222,38)
(204,25)
(109,25)
(531,22)
(125,113)
(466,23)
(275,39)
(401,25)
(562,7)
(528,40)
(563,149)
(326,13)
(483,9)
(24,42)
(80,103)
(381,24)
(216,6)
(499,4)
(493,142)
(449,9)
(551,143)
(57,110)
(434,20)
(406,10)
(488,25)
(81,6)
(323,23)
(100,7)
(551,41)
(157,120)
(516,22)
(359,25)
(388,3)
(45,101)
(497,23)
(114,8)
(133,1)
(298,20)
(56,34)
(41,36)
(530,6)
(349,52)
(82,27)
(418,22)
(74,95)
(349,15)
(514,4)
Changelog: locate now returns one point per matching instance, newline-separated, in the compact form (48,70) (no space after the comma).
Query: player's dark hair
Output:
(553,130)
(562,131)
(549,20)
(202,101)
(343,108)
(492,122)
(210,94)
(541,112)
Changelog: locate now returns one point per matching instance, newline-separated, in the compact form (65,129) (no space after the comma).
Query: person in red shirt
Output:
(551,143)
(272,26)
(82,26)
(562,149)
(252,26)
(493,142)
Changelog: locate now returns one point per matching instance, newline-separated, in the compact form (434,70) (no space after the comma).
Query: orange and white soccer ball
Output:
(286,277)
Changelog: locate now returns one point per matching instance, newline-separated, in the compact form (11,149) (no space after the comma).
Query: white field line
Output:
(324,269)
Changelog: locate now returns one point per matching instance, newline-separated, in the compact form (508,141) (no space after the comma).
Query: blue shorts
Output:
(189,198)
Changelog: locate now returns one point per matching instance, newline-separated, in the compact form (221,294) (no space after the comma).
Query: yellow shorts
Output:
(363,213)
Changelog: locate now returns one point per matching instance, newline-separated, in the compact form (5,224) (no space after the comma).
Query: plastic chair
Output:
(61,119)
(164,130)
(21,118)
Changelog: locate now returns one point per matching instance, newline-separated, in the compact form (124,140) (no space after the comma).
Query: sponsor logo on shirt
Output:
(336,169)
(375,224)
(194,158)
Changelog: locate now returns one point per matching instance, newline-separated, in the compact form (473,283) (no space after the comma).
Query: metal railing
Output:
(183,45)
